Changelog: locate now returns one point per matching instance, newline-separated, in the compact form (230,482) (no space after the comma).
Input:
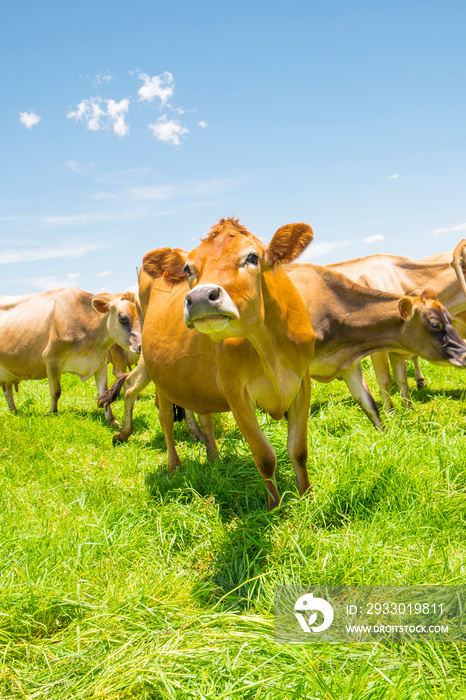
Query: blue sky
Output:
(131,126)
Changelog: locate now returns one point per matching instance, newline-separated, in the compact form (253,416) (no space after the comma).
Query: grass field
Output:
(121,581)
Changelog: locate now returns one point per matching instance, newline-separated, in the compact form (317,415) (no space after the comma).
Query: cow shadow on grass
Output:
(243,549)
(242,560)
(427,394)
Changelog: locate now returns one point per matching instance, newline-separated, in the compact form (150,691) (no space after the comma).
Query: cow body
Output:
(402,275)
(352,321)
(64,330)
(226,330)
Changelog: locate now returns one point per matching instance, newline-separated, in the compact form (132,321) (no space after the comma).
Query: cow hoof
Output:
(118,439)
(421,384)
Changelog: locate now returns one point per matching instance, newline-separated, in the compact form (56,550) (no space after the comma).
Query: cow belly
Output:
(84,366)
(13,370)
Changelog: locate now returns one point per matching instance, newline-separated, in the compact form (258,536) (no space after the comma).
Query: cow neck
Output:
(284,312)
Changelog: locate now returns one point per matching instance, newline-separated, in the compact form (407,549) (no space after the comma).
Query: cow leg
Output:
(135,382)
(384,379)
(357,385)
(8,394)
(101,380)
(297,417)
(207,423)
(54,377)
(399,370)
(262,452)
(420,380)
(165,407)
(194,429)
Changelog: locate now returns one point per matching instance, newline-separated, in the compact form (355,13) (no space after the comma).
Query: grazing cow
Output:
(443,272)
(352,321)
(63,330)
(226,330)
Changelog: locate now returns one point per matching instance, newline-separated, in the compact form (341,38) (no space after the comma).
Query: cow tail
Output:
(113,393)
(178,413)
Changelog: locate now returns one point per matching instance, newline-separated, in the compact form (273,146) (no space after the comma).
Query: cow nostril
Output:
(189,303)
(214,294)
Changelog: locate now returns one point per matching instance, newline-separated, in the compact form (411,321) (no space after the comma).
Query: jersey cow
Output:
(226,330)
(443,272)
(63,330)
(350,321)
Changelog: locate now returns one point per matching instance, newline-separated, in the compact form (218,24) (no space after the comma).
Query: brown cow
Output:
(226,330)
(351,321)
(402,275)
(63,330)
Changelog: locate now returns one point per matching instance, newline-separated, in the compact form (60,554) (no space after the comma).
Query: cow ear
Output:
(288,242)
(166,260)
(429,294)
(405,307)
(101,305)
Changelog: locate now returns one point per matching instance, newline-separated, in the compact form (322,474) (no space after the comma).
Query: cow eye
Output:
(123,319)
(187,270)
(435,324)
(252,259)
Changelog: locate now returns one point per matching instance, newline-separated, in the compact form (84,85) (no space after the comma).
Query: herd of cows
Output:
(236,324)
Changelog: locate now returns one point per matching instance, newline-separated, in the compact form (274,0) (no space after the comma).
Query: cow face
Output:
(225,275)
(431,325)
(122,323)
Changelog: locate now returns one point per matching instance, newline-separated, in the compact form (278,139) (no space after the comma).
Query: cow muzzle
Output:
(135,346)
(209,309)
(455,349)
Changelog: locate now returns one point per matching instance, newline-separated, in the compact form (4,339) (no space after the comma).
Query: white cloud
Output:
(102,78)
(161,86)
(74,275)
(203,124)
(106,273)
(458,227)
(395,176)
(91,114)
(116,111)
(168,130)
(12,255)
(316,250)
(374,239)
(29,119)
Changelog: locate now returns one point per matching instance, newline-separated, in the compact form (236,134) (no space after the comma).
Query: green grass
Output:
(120,581)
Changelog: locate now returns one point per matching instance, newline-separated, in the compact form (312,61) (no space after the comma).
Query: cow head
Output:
(225,274)
(429,325)
(122,322)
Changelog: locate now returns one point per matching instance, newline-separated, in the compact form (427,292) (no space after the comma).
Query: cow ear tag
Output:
(163,284)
